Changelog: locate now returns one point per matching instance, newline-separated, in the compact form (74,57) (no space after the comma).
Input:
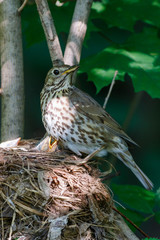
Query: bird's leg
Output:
(89,156)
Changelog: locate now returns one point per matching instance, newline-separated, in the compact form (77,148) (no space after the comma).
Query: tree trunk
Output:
(12,84)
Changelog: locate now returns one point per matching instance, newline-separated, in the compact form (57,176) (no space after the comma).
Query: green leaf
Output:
(158,196)
(140,66)
(146,41)
(112,34)
(135,197)
(135,217)
(124,13)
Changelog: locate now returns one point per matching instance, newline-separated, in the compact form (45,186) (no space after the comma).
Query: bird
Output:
(81,125)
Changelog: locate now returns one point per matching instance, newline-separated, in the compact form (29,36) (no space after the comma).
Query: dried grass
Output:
(48,196)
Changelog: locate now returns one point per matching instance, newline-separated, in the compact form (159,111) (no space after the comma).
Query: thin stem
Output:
(133,224)
(12,224)
(22,6)
(110,90)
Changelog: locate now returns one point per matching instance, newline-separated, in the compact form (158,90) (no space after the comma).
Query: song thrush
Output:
(80,123)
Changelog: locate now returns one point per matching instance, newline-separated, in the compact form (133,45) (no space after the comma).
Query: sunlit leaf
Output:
(135,197)
(140,66)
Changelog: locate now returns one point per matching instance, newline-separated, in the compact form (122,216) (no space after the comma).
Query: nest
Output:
(51,196)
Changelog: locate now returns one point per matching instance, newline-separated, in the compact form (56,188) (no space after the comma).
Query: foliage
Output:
(133,44)
(121,37)
(140,204)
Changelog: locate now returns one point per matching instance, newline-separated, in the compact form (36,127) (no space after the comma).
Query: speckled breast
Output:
(58,117)
(63,122)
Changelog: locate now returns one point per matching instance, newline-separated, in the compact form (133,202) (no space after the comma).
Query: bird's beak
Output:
(71,69)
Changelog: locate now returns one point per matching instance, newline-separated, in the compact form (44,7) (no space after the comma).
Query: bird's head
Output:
(60,77)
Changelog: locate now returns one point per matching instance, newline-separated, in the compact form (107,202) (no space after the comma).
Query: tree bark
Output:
(49,30)
(12,84)
(76,35)
(77,32)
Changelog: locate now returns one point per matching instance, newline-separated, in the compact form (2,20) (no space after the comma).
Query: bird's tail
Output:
(122,153)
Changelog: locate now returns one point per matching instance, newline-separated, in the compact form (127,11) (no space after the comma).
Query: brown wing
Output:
(84,103)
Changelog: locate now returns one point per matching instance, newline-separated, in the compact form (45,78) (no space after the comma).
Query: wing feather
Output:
(86,104)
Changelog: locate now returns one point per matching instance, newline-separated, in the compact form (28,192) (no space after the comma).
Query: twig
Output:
(29,209)
(110,89)
(10,203)
(133,224)
(11,227)
(22,6)
(77,32)
(2,224)
(49,30)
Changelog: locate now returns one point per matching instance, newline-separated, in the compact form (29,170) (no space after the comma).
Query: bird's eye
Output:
(56,72)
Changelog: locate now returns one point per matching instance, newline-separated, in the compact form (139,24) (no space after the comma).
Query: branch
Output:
(49,30)
(77,32)
(110,89)
(133,224)
(22,6)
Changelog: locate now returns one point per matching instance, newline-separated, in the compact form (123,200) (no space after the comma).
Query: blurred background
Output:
(123,36)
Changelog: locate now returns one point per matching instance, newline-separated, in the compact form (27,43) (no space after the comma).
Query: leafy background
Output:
(125,36)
